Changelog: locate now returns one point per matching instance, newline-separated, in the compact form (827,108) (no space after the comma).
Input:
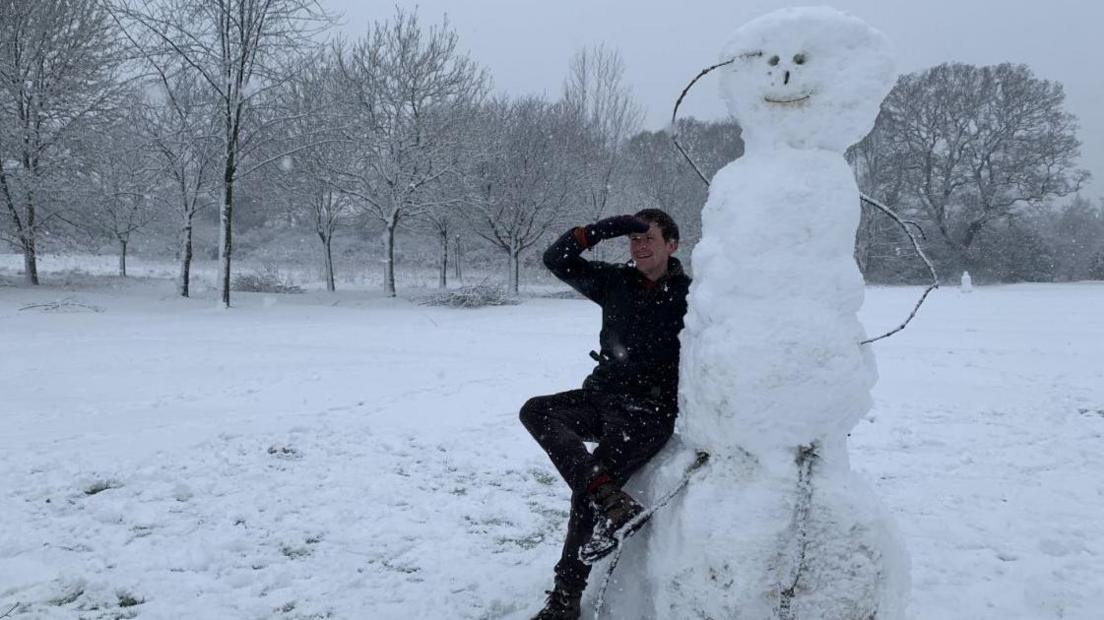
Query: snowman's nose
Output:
(786,79)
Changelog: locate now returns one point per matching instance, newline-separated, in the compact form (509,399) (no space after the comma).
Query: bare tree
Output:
(446,220)
(118,178)
(522,182)
(241,50)
(410,93)
(976,143)
(307,179)
(58,71)
(329,207)
(443,225)
(606,114)
(313,197)
(176,121)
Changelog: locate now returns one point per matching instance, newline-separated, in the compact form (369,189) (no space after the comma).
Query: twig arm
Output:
(904,224)
(674,116)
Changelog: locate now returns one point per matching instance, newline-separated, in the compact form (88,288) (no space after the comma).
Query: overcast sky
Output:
(526,44)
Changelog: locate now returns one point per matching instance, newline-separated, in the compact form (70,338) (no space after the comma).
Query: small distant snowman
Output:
(773,375)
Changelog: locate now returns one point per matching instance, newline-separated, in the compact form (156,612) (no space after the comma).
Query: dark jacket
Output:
(641,321)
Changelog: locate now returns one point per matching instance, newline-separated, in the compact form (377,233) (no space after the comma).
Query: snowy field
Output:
(351,456)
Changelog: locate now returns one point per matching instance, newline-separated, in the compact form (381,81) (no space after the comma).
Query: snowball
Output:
(809,77)
(770,353)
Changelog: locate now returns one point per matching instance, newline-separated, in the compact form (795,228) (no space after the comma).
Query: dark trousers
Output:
(628,431)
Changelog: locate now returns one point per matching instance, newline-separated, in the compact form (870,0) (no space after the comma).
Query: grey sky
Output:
(526,44)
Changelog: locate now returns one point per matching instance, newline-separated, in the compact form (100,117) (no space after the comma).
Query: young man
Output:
(629,402)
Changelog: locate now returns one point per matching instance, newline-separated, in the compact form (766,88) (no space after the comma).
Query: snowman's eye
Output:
(799,59)
(773,61)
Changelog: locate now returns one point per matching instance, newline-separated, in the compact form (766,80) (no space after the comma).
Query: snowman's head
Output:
(809,77)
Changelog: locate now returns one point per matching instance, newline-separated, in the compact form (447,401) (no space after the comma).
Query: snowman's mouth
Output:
(787,101)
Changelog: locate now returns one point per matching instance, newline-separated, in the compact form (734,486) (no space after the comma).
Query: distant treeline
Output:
(124,123)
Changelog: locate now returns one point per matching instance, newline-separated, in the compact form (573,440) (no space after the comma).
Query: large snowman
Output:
(773,375)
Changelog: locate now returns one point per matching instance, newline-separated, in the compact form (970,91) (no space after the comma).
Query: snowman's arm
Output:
(564,259)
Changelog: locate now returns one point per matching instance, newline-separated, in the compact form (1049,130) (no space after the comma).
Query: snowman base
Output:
(803,545)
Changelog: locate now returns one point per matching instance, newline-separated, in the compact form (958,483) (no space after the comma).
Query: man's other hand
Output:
(615,226)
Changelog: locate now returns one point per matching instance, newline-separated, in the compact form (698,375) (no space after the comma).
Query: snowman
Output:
(773,375)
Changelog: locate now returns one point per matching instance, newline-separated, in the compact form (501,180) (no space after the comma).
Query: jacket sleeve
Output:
(564,259)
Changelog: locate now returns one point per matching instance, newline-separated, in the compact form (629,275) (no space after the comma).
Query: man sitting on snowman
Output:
(628,404)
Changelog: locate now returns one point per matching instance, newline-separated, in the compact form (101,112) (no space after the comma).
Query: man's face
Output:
(650,251)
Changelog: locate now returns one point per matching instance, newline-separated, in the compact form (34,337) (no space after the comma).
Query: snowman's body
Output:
(771,358)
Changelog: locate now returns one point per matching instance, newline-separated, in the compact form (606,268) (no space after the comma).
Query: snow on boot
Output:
(563,603)
(616,509)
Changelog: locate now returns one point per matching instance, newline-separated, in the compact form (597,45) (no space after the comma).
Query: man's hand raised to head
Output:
(615,226)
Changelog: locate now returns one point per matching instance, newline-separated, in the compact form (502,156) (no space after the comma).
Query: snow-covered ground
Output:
(352,456)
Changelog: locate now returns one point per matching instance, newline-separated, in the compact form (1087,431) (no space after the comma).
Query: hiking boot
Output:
(563,603)
(615,506)
(616,509)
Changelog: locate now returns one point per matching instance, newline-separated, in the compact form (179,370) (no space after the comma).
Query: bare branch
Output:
(919,251)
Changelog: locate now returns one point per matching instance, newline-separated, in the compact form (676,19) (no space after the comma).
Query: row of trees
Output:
(114,114)
(107,107)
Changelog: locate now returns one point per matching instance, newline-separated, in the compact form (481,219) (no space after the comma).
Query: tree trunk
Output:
(972,231)
(30,253)
(456,263)
(442,279)
(389,259)
(514,271)
(225,233)
(122,258)
(185,260)
(30,260)
(327,250)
